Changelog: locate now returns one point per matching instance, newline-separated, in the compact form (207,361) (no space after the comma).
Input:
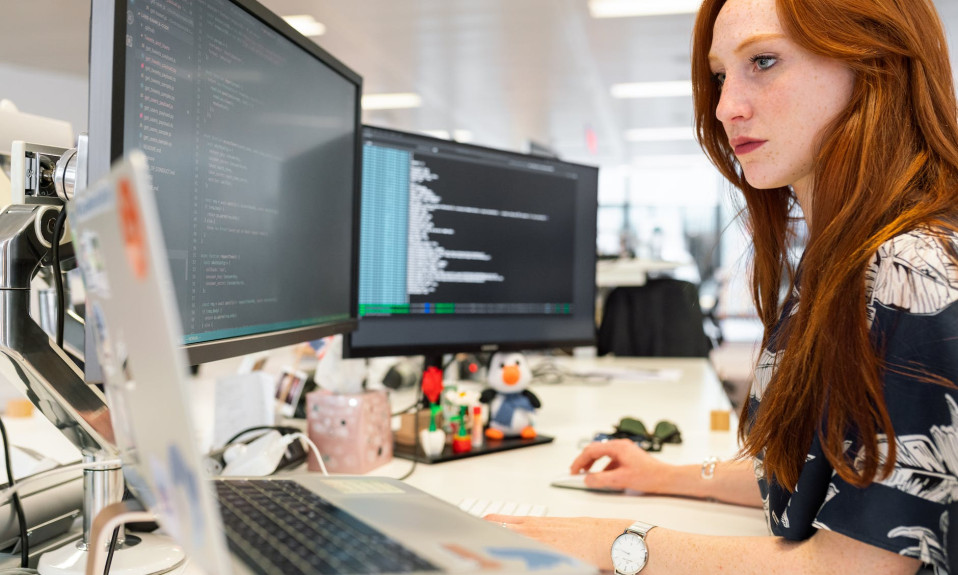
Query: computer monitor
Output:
(467,248)
(252,135)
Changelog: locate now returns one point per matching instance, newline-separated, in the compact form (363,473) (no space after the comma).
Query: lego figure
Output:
(461,401)
(512,405)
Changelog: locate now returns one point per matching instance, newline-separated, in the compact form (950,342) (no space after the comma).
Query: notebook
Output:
(122,256)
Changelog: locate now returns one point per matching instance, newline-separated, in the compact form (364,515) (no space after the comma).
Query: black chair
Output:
(662,318)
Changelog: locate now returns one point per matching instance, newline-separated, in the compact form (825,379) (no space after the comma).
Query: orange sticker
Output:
(131,226)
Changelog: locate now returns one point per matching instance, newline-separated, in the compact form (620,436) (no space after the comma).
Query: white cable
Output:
(7,493)
(319,456)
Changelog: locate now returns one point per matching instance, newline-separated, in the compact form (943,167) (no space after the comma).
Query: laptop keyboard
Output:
(279,526)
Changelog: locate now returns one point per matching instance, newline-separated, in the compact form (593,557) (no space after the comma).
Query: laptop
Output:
(123,259)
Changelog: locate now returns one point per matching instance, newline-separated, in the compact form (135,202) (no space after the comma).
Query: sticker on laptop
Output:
(91,263)
(178,498)
(533,559)
(131,227)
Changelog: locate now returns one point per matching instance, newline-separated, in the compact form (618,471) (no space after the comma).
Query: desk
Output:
(573,411)
(629,272)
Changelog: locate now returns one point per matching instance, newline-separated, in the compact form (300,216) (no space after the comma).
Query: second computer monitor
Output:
(467,248)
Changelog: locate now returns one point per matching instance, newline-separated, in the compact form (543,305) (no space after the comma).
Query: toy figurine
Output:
(433,439)
(512,405)
(461,401)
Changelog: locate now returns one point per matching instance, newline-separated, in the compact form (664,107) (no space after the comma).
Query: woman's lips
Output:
(745,146)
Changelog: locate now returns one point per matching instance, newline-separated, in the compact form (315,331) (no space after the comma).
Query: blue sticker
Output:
(185,481)
(534,559)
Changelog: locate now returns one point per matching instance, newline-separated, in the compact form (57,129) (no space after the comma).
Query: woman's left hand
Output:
(587,538)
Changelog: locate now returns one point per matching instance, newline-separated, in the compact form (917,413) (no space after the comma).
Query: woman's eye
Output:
(764,62)
(719,78)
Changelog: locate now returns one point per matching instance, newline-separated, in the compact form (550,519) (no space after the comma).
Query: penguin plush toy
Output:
(511,404)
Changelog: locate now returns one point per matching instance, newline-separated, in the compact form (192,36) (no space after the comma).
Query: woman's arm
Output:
(630,467)
(671,551)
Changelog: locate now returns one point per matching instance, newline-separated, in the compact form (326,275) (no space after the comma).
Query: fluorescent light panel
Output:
(306,25)
(395,101)
(660,134)
(627,8)
(652,89)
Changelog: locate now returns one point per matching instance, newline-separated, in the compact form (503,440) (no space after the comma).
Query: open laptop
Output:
(122,255)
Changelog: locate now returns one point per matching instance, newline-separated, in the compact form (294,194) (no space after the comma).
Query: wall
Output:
(51,94)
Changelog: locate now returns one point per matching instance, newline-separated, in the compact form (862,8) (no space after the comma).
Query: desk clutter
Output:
(351,430)
(459,420)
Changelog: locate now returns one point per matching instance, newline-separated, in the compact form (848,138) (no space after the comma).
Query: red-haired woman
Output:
(850,434)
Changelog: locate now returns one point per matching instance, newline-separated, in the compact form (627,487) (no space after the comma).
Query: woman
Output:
(847,108)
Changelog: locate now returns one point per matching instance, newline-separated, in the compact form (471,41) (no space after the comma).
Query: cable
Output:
(24,543)
(111,549)
(286,430)
(58,274)
(550,372)
(312,446)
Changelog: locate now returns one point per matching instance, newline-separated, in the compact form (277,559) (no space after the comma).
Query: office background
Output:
(556,76)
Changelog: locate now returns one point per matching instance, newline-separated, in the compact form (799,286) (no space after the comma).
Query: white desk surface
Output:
(574,411)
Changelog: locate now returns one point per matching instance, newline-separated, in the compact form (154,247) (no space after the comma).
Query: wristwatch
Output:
(629,551)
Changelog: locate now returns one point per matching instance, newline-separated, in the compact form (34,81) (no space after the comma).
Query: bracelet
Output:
(708,467)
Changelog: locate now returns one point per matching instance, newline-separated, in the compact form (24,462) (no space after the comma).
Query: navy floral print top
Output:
(912,289)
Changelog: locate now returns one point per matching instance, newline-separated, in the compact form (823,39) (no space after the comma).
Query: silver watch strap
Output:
(640,528)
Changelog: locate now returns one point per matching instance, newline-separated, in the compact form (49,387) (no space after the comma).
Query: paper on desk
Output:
(242,401)
(634,374)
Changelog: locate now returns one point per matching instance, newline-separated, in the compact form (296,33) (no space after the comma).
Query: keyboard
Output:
(281,527)
(483,507)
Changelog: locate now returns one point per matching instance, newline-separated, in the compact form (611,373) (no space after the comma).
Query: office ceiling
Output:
(507,71)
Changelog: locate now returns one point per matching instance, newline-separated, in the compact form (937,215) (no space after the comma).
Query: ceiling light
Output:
(652,89)
(625,8)
(306,25)
(660,134)
(391,101)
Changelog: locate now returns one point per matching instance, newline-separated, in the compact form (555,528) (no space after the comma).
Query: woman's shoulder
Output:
(916,271)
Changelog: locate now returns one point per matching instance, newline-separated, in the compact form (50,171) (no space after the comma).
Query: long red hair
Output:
(888,164)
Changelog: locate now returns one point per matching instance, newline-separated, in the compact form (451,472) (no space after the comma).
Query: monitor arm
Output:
(29,359)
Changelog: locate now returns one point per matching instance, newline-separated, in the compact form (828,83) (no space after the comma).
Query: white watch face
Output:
(629,553)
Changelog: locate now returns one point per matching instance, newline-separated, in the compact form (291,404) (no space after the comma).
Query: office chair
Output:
(662,318)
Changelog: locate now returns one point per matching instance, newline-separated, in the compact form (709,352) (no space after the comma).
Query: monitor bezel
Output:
(350,350)
(106,103)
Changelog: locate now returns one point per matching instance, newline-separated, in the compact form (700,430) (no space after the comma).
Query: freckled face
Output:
(777,98)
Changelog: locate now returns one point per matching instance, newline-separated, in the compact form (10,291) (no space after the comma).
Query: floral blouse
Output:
(911,287)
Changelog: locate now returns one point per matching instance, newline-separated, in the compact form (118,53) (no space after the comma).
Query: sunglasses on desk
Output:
(634,429)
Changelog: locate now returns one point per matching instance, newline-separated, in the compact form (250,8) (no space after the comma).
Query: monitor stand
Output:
(144,554)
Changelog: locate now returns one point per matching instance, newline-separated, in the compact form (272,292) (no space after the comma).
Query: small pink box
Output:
(352,431)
